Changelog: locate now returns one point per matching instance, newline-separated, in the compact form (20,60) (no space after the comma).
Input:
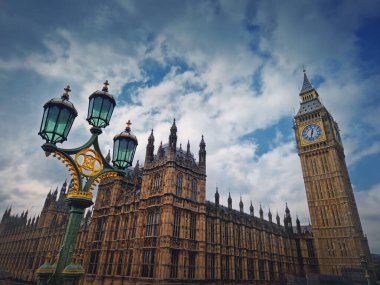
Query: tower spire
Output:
(173,138)
(241,206)
(251,209)
(150,148)
(188,148)
(306,86)
(216,197)
(270,216)
(202,153)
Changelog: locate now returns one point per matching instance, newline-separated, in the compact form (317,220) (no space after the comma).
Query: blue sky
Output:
(230,70)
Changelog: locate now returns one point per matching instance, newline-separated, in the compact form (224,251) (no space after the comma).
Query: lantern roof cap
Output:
(127,133)
(64,100)
(104,92)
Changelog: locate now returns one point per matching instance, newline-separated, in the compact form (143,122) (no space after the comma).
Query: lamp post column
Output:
(77,208)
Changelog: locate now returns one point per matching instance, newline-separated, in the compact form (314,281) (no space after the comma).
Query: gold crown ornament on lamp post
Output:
(86,165)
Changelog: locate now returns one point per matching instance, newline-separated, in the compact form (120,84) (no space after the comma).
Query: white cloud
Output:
(368,201)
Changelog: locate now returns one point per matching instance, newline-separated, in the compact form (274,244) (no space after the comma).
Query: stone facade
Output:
(155,226)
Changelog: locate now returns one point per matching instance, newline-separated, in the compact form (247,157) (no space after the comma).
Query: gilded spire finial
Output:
(66,92)
(105,87)
(128,129)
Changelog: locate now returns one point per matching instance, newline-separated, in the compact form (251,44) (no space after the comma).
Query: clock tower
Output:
(334,216)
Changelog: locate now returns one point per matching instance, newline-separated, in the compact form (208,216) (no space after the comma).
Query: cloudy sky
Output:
(230,70)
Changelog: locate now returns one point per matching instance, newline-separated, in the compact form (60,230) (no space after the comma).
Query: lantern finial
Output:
(105,87)
(66,94)
(128,128)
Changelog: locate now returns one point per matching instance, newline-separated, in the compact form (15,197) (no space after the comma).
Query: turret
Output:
(270,216)
(136,169)
(62,194)
(55,193)
(288,219)
(188,153)
(298,223)
(150,148)
(261,212)
(251,210)
(173,138)
(202,153)
(47,199)
(5,215)
(217,197)
(241,206)
(278,219)
(160,152)
(229,201)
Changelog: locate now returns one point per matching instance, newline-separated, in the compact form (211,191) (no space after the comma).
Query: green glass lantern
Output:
(58,117)
(100,107)
(124,148)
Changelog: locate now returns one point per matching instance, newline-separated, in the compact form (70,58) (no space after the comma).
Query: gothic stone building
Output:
(155,226)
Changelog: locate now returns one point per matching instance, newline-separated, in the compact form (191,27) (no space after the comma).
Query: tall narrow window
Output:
(177,223)
(310,249)
(148,263)
(153,220)
(119,263)
(156,183)
(225,267)
(261,270)
(193,226)
(192,256)
(179,185)
(210,230)
(134,225)
(110,263)
(125,228)
(238,235)
(238,268)
(93,264)
(194,190)
(129,265)
(226,234)
(280,274)
(250,269)
(100,228)
(210,266)
(271,270)
(260,242)
(116,232)
(174,264)
(249,238)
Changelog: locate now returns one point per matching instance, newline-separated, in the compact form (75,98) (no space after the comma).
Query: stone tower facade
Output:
(172,207)
(337,230)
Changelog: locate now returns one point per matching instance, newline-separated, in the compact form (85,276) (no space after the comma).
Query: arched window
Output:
(179,185)
(194,190)
(157,183)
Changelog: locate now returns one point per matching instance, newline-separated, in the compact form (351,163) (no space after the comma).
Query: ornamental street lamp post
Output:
(87,167)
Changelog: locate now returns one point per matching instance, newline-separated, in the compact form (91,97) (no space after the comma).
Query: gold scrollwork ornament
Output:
(88,162)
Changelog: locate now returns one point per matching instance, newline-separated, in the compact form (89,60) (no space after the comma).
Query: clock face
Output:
(311,133)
